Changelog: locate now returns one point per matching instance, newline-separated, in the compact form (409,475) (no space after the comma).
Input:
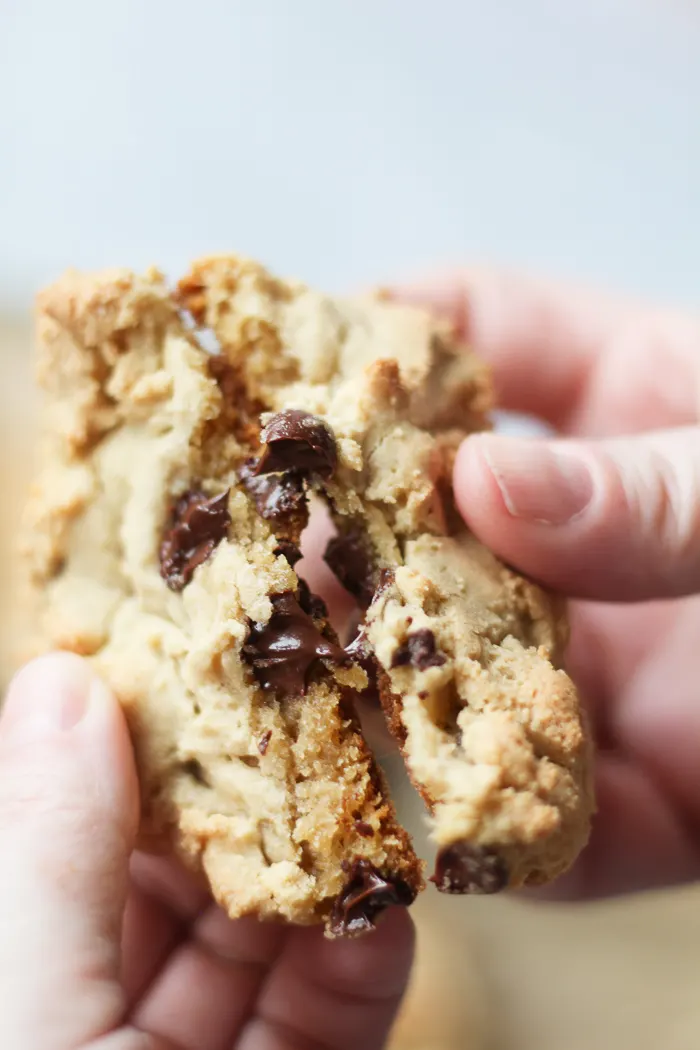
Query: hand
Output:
(608,513)
(102,950)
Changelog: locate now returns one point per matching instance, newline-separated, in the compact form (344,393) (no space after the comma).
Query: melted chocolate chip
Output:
(276,494)
(364,829)
(288,550)
(296,440)
(283,651)
(197,526)
(364,896)
(311,603)
(264,741)
(348,558)
(419,651)
(463,868)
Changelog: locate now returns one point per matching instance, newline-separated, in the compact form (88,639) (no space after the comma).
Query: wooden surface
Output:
(492,974)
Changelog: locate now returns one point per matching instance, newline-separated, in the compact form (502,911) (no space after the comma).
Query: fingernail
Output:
(539,483)
(51,694)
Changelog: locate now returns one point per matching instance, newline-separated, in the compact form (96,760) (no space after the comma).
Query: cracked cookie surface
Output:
(467,653)
(148,554)
(162,539)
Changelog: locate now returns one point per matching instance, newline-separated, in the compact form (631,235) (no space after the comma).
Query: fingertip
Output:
(476,489)
(62,718)
(56,673)
(375,965)
(444,293)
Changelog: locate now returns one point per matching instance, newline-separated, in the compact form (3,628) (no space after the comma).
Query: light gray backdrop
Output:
(347,141)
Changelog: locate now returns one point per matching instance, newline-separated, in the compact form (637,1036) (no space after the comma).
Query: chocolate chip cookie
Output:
(185,429)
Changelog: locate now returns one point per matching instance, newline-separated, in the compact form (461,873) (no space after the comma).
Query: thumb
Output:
(616,520)
(68,815)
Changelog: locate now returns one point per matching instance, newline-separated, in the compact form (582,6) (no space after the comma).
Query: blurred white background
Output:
(343,142)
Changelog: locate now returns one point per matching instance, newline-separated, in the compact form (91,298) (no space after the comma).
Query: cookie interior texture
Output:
(161,540)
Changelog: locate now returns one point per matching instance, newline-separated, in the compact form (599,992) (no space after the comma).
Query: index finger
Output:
(334,995)
(583,361)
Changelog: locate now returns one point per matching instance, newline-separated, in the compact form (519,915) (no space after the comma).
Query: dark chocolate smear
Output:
(197,525)
(296,440)
(364,896)
(283,651)
(464,868)
(349,559)
(288,550)
(275,495)
(419,651)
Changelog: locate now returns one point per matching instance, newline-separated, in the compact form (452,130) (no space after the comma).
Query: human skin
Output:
(608,513)
(106,949)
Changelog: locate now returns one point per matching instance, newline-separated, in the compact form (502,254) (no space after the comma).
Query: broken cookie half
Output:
(161,542)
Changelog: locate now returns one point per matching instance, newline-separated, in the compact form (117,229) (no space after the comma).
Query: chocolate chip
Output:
(464,868)
(264,741)
(296,440)
(193,768)
(197,526)
(349,559)
(288,550)
(364,829)
(364,896)
(419,651)
(275,495)
(283,651)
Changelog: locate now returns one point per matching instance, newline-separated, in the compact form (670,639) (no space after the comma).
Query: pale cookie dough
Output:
(146,554)
(161,541)
(468,653)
